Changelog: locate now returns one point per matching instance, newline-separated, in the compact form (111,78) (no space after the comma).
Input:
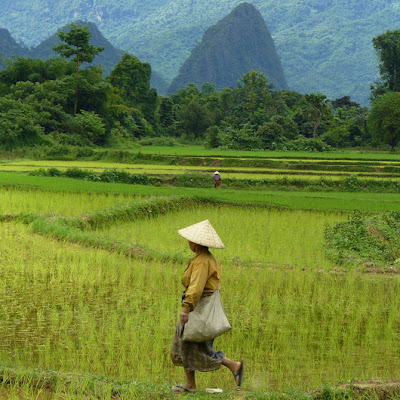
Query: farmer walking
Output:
(217,179)
(201,280)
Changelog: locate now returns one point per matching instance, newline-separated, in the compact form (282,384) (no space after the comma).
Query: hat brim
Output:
(202,233)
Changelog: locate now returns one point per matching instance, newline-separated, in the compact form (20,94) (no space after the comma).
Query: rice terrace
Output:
(91,264)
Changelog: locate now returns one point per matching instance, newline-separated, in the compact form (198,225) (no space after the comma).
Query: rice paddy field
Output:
(80,320)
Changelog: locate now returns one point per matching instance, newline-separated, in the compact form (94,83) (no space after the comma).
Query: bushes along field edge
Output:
(372,239)
(351,183)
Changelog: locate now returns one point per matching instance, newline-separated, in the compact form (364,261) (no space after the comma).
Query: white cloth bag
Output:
(207,320)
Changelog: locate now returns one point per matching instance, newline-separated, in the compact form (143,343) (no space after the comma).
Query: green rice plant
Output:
(293,199)
(14,201)
(284,181)
(278,166)
(85,311)
(252,235)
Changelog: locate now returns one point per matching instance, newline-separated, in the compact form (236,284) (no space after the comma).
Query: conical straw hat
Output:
(202,233)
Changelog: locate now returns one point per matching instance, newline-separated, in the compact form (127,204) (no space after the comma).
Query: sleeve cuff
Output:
(186,309)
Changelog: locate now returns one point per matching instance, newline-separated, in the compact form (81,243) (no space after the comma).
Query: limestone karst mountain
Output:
(237,44)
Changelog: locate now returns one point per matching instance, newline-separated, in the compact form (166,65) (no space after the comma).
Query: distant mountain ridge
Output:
(325,46)
(106,59)
(8,45)
(237,44)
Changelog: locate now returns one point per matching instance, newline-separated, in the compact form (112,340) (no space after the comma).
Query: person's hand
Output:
(183,318)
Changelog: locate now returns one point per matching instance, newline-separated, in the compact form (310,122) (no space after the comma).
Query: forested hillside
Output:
(325,46)
(9,47)
(237,44)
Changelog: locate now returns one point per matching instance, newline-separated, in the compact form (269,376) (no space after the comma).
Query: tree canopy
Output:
(384,119)
(76,44)
(387,47)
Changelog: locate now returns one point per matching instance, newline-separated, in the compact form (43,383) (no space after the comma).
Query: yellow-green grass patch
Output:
(252,235)
(71,309)
(22,201)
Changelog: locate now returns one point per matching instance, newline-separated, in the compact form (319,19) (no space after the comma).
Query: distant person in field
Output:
(201,279)
(217,179)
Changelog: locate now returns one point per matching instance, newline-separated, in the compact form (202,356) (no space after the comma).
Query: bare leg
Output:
(190,380)
(232,365)
(190,383)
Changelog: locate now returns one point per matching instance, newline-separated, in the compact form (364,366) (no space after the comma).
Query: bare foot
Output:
(182,388)
(238,373)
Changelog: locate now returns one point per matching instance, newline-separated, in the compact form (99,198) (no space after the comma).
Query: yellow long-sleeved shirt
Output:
(200,279)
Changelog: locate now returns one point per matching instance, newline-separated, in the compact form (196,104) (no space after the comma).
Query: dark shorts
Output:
(195,356)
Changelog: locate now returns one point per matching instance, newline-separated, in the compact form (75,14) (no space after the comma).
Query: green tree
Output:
(384,119)
(19,124)
(76,45)
(242,139)
(132,78)
(47,99)
(34,70)
(337,136)
(255,91)
(193,117)
(164,112)
(387,47)
(344,102)
(290,128)
(127,120)
(271,134)
(93,91)
(213,137)
(315,110)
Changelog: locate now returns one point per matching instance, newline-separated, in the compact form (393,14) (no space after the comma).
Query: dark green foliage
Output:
(164,112)
(19,125)
(243,139)
(315,110)
(365,238)
(271,134)
(387,47)
(237,44)
(384,119)
(337,136)
(35,70)
(84,129)
(213,137)
(132,78)
(193,117)
(344,102)
(307,144)
(75,46)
